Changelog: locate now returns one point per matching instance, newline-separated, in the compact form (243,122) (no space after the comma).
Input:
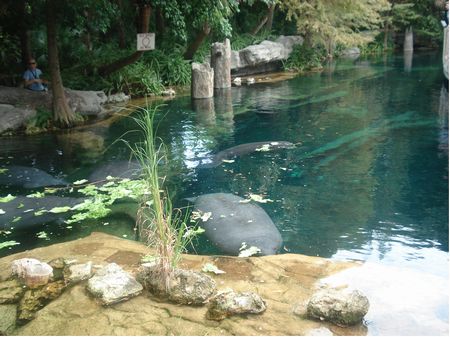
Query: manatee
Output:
(118,169)
(27,177)
(243,149)
(233,222)
(19,212)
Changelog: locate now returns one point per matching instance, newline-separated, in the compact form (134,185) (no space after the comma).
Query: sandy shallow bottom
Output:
(282,280)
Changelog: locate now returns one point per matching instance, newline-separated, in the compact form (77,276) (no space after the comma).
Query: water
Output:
(368,179)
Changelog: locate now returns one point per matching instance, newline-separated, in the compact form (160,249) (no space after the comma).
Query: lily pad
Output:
(8,198)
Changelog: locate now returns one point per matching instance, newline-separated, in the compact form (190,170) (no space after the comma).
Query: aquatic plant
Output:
(159,224)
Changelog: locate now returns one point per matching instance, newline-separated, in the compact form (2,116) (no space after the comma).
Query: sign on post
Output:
(146,41)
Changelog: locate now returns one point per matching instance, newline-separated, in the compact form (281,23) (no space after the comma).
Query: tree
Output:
(144,13)
(62,114)
(335,21)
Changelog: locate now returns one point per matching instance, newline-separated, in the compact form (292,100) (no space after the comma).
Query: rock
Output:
(86,103)
(33,272)
(250,80)
(300,309)
(351,51)
(12,118)
(202,83)
(341,307)
(266,56)
(111,284)
(8,316)
(237,81)
(58,265)
(11,291)
(35,299)
(185,286)
(77,272)
(221,63)
(230,303)
(117,98)
(169,92)
(319,332)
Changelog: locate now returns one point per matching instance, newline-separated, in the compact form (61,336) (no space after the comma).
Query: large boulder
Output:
(263,57)
(11,291)
(341,307)
(112,284)
(230,303)
(12,118)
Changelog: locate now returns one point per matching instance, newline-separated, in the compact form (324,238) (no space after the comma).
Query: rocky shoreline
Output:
(284,282)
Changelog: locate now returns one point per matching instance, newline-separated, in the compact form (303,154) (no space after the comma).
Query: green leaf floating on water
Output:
(3,170)
(8,244)
(42,211)
(21,205)
(16,218)
(8,198)
(79,182)
(62,209)
(2,211)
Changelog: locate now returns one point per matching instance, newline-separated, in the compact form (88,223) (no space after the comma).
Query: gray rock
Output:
(86,103)
(77,272)
(351,51)
(168,92)
(8,316)
(230,303)
(12,118)
(341,307)
(112,284)
(58,266)
(202,83)
(11,291)
(266,56)
(118,98)
(184,286)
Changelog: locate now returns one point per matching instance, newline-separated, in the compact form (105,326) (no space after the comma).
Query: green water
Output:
(367,180)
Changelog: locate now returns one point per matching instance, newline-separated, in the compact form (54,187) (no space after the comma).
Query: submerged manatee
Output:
(233,222)
(243,149)
(118,169)
(19,213)
(27,177)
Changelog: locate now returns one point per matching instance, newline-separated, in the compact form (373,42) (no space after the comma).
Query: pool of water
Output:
(367,180)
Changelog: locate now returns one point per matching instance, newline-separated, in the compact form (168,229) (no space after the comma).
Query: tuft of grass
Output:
(159,224)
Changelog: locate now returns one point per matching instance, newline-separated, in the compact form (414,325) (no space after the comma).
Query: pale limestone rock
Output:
(230,303)
(202,83)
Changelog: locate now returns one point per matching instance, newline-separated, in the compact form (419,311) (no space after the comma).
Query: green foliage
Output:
(240,41)
(170,64)
(40,122)
(305,58)
(6,244)
(137,79)
(9,51)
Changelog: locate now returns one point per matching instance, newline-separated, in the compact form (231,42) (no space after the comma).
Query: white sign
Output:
(146,41)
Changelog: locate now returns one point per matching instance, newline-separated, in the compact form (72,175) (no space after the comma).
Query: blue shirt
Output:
(33,74)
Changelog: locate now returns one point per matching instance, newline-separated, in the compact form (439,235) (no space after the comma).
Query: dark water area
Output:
(367,179)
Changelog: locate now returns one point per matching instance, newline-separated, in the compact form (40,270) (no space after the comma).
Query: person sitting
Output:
(32,77)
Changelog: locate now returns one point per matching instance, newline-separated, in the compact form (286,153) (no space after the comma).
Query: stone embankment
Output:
(101,287)
(18,105)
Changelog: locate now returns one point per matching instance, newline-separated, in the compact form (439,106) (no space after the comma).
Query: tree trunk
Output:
(201,36)
(160,22)
(62,114)
(121,26)
(270,13)
(24,33)
(144,14)
(259,26)
(386,32)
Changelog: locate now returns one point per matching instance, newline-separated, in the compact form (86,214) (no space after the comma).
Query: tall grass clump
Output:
(304,58)
(159,224)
